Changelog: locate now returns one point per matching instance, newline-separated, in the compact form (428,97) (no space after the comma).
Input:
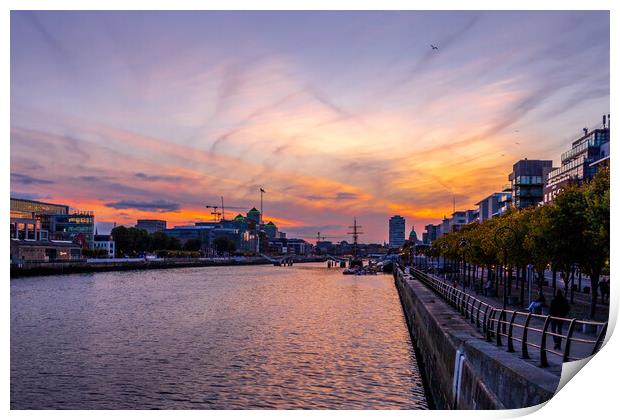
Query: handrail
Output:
(492,323)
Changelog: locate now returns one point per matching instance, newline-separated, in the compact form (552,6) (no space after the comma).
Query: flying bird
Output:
(434,47)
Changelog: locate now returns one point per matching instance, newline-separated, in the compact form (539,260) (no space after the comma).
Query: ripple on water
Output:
(212,338)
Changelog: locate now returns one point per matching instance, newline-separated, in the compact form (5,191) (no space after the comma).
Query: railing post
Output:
(484,319)
(478,314)
(498,337)
(569,334)
(524,352)
(511,349)
(543,344)
(599,339)
(489,323)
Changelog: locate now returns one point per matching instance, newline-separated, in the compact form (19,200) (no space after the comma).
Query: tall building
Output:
(580,163)
(151,225)
(527,181)
(397,231)
(413,237)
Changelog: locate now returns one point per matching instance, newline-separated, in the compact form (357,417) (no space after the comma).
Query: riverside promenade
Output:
(528,336)
(463,369)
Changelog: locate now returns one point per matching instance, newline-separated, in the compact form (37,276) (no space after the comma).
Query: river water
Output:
(246,337)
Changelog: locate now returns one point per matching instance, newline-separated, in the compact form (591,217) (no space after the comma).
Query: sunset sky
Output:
(335,114)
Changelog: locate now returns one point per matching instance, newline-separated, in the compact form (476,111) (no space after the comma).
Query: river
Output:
(247,337)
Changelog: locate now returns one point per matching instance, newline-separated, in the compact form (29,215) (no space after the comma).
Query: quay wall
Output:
(44,269)
(462,370)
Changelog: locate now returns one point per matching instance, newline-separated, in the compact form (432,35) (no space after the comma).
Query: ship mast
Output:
(356,232)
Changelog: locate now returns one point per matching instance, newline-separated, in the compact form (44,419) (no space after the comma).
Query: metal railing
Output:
(529,330)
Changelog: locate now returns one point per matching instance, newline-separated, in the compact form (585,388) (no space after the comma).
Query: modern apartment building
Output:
(527,181)
(492,205)
(579,163)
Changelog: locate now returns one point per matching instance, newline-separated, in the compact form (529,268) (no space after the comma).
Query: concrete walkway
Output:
(578,349)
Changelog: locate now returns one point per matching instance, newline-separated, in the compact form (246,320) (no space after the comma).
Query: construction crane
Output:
(320,237)
(216,214)
(222,214)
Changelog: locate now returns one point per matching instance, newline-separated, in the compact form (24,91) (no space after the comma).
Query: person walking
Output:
(558,309)
(537,304)
(604,286)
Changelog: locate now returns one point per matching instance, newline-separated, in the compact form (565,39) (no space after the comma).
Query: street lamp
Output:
(505,238)
(444,247)
(462,244)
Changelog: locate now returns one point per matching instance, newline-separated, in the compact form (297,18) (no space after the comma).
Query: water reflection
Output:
(226,337)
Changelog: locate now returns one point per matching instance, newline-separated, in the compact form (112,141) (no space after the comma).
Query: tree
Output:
(222,244)
(122,241)
(192,245)
(594,256)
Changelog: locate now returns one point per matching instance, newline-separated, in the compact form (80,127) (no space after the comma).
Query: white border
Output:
(590,395)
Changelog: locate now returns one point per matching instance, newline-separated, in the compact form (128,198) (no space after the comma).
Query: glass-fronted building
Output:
(77,226)
(27,208)
(577,162)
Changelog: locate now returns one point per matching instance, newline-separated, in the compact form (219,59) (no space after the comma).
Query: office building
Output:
(253,215)
(77,226)
(27,208)
(527,181)
(151,225)
(396,231)
(37,220)
(271,230)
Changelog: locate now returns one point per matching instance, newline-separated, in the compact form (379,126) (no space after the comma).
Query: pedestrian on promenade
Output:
(604,286)
(488,284)
(537,304)
(559,308)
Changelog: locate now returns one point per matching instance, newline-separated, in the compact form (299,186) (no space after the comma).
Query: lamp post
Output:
(505,238)
(462,244)
(444,247)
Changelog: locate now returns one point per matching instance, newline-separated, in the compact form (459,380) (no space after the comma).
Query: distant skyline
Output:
(335,114)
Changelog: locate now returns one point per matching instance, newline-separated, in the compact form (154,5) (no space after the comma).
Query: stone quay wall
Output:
(462,370)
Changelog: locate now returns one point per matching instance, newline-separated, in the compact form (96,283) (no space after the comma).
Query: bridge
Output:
(284,260)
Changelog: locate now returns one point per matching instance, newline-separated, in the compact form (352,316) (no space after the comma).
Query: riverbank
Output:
(463,370)
(93,266)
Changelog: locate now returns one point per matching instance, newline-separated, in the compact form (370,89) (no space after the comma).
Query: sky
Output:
(335,114)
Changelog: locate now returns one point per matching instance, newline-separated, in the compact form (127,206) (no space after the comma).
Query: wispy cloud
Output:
(28,180)
(362,119)
(156,205)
